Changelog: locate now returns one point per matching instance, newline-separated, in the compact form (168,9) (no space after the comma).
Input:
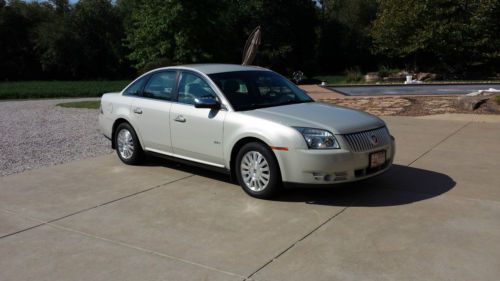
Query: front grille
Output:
(365,141)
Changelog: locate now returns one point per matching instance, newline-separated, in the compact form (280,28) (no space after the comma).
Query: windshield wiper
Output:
(265,105)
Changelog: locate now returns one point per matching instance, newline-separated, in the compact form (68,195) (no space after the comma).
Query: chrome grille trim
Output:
(361,141)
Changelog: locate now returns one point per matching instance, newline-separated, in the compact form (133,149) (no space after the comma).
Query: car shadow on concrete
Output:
(159,161)
(398,186)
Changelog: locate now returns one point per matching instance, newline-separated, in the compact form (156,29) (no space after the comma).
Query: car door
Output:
(196,133)
(151,111)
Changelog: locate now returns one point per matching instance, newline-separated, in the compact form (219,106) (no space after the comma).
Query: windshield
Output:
(248,90)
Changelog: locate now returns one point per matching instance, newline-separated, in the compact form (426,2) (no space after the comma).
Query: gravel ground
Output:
(38,133)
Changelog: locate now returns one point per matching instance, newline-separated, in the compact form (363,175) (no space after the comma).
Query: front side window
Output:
(160,86)
(192,87)
(248,90)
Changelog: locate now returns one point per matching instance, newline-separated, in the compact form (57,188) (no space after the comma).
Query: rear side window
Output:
(135,88)
(160,86)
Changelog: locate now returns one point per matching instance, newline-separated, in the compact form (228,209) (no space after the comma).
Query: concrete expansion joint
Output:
(52,224)
(42,222)
(144,250)
(440,142)
(296,242)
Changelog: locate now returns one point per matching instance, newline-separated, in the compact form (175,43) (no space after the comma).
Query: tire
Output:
(128,148)
(257,171)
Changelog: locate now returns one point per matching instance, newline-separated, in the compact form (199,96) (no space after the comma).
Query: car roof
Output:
(211,68)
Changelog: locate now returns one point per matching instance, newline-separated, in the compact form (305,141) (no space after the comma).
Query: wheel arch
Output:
(239,144)
(113,130)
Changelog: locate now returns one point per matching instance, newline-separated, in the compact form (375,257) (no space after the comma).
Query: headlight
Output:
(318,139)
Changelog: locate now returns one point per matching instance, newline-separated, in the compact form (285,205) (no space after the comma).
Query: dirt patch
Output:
(412,106)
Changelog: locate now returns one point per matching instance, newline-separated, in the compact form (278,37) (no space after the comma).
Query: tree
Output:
(345,34)
(83,41)
(288,33)
(55,44)
(191,31)
(18,22)
(98,31)
(178,31)
(453,35)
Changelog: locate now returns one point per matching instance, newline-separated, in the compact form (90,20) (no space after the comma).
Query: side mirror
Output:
(206,103)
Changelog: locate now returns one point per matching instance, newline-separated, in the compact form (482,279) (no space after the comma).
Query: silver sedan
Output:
(247,121)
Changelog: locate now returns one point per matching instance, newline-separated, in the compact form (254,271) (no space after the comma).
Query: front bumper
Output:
(326,167)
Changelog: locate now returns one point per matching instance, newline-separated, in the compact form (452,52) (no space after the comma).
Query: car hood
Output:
(336,119)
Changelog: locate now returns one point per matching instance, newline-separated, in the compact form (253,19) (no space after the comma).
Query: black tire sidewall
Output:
(274,185)
(137,155)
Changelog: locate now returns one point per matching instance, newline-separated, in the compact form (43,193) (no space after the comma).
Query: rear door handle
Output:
(180,118)
(137,110)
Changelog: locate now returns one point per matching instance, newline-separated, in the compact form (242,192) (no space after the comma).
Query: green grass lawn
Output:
(81,104)
(332,79)
(58,89)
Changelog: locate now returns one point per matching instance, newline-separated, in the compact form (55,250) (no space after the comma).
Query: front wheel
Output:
(128,147)
(257,171)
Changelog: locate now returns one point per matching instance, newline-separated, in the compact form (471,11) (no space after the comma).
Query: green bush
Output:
(58,89)
(354,75)
(331,79)
(385,71)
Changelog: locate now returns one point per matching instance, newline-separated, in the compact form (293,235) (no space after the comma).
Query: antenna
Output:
(251,46)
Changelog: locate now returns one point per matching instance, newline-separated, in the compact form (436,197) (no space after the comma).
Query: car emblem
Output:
(374,140)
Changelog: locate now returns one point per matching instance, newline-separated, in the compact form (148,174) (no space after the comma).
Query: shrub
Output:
(353,75)
(385,71)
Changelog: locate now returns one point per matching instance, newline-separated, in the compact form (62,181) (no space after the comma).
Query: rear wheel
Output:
(257,171)
(128,147)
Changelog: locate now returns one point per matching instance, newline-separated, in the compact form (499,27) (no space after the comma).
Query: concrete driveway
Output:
(434,216)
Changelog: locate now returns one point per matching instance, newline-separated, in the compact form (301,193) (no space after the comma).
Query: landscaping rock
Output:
(371,77)
(492,106)
(471,103)
(396,77)
(426,76)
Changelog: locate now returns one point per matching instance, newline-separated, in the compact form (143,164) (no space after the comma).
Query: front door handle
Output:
(180,118)
(137,110)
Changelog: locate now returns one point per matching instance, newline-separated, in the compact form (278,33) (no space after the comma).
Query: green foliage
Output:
(48,40)
(58,89)
(497,98)
(385,71)
(107,39)
(83,42)
(191,31)
(81,104)
(453,35)
(18,21)
(332,79)
(288,34)
(180,31)
(353,75)
(344,39)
